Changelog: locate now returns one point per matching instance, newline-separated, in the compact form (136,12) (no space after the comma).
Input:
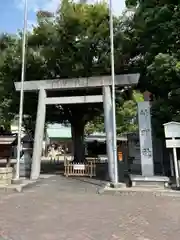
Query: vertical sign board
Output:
(145,136)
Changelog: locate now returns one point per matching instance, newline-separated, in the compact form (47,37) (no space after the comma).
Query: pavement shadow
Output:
(91,181)
(52,167)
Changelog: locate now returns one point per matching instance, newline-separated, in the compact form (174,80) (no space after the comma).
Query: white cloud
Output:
(52,5)
(36,5)
(30,25)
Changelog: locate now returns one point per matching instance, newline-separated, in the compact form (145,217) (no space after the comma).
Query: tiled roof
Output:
(61,131)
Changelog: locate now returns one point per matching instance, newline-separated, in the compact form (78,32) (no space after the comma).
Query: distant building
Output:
(61,135)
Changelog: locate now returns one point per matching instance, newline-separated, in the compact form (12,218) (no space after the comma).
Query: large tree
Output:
(152,34)
(8,56)
(73,43)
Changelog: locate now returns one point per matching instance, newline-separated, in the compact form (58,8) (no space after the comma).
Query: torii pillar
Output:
(39,134)
(107,102)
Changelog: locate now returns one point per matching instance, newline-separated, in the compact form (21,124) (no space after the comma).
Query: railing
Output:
(77,169)
(53,159)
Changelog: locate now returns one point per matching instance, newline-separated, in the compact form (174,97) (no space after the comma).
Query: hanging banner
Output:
(145,136)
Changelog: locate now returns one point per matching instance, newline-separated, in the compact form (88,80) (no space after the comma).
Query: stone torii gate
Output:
(42,86)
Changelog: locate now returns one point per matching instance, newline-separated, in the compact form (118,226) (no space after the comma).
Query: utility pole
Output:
(22,90)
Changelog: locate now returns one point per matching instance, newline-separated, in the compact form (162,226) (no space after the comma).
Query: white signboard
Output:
(79,167)
(173,143)
(172,130)
(145,136)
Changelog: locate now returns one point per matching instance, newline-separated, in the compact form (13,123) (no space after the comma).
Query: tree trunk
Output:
(77,128)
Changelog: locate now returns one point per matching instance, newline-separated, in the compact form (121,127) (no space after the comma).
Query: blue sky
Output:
(11,12)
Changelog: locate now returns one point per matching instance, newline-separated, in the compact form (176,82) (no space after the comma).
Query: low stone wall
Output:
(6,174)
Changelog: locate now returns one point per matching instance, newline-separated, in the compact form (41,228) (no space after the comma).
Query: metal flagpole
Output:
(22,90)
(113,93)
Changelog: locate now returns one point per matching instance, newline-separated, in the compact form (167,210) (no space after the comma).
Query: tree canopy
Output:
(73,43)
(152,34)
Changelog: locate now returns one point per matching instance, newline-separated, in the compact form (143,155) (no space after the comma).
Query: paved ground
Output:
(64,209)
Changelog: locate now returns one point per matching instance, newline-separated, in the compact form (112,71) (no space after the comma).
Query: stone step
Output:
(147,185)
(150,182)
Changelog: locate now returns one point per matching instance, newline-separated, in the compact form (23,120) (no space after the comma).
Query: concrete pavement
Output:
(70,209)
